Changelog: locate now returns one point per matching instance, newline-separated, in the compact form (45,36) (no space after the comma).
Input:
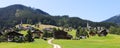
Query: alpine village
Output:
(27,27)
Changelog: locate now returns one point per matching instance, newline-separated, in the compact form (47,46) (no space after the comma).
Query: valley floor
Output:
(38,43)
(110,41)
(54,45)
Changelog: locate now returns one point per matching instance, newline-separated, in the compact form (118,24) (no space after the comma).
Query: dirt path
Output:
(54,45)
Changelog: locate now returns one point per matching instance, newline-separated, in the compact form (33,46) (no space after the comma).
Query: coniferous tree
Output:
(29,36)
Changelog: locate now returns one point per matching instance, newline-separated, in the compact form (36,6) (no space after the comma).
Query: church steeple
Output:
(21,23)
(88,27)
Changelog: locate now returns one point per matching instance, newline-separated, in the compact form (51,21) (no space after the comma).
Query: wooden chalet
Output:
(14,36)
(92,33)
(37,33)
(60,34)
(103,33)
(1,34)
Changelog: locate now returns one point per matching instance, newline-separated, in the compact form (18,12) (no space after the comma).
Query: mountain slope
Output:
(11,10)
(115,19)
(15,14)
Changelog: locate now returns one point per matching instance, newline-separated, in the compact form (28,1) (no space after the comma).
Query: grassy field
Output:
(23,32)
(111,41)
(73,33)
(38,43)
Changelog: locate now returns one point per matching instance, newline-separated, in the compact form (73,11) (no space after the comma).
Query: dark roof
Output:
(37,31)
(1,33)
(14,33)
(48,29)
(60,32)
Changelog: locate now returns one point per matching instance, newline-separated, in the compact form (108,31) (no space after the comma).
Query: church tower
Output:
(88,27)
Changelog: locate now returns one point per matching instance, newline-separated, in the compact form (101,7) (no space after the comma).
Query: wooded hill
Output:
(114,19)
(15,14)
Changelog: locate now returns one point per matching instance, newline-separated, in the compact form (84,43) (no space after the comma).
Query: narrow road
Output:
(54,45)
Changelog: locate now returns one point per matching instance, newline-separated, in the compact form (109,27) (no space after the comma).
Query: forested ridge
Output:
(15,14)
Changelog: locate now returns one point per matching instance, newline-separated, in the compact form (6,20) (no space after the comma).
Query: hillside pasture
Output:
(42,26)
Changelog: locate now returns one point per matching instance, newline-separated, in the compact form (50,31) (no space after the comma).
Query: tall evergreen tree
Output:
(29,36)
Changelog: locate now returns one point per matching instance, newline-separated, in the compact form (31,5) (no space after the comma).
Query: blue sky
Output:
(94,10)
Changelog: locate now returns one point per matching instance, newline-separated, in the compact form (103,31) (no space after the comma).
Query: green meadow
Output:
(72,33)
(110,41)
(38,43)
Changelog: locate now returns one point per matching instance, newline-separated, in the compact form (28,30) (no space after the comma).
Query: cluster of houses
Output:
(100,31)
(14,34)
(91,31)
